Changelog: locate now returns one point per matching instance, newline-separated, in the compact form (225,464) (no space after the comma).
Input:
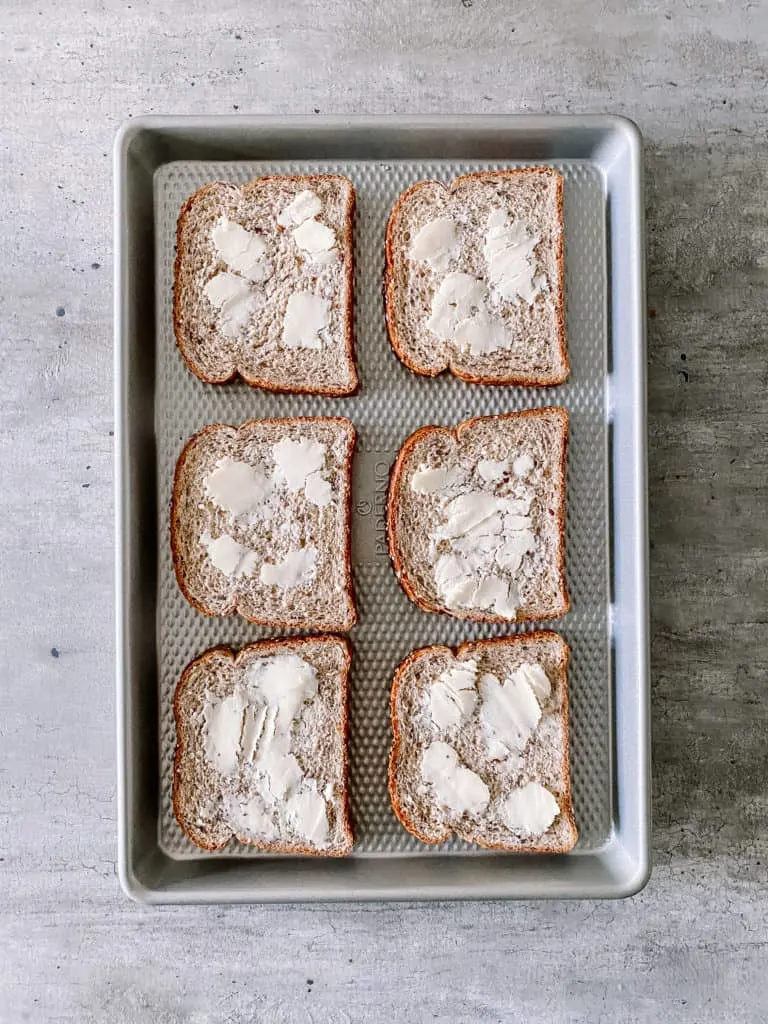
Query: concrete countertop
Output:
(690,947)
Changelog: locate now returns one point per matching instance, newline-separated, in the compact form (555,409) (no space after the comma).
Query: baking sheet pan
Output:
(160,404)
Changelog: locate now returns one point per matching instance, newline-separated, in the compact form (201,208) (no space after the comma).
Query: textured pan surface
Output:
(392,403)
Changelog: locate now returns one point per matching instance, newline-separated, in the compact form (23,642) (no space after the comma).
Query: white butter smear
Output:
(237,487)
(429,481)
(249,735)
(435,243)
(509,252)
(242,489)
(304,205)
(523,465)
(251,818)
(464,308)
(481,538)
(296,461)
(458,297)
(228,555)
(223,725)
(306,321)
(492,471)
(531,809)
(314,239)
(459,315)
(296,569)
(508,713)
(306,811)
(234,299)
(456,787)
(242,250)
(231,292)
(453,696)
(318,490)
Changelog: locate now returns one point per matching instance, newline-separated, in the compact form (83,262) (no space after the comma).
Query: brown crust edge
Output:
(294,642)
(260,382)
(175,526)
(390,288)
(395,480)
(566,809)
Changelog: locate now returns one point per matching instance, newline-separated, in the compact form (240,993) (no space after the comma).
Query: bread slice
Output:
(261,747)
(475,278)
(476,517)
(481,744)
(263,283)
(260,522)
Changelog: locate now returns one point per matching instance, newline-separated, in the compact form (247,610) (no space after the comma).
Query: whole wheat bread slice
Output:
(524,334)
(508,765)
(248,764)
(514,466)
(255,345)
(247,538)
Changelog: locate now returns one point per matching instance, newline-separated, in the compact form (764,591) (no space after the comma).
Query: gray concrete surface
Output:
(693,946)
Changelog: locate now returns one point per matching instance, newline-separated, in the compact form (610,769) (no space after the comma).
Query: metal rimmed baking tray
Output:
(158,162)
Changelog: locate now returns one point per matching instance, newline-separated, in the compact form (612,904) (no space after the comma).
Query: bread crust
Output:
(399,468)
(265,647)
(177,525)
(261,382)
(399,344)
(566,808)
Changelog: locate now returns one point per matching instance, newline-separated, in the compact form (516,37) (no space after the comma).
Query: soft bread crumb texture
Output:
(257,351)
(287,526)
(531,197)
(204,798)
(414,518)
(544,759)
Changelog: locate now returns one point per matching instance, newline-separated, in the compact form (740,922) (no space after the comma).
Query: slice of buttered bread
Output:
(476,517)
(261,747)
(263,283)
(481,744)
(475,279)
(260,522)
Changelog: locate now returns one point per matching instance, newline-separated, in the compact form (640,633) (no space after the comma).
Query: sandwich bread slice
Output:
(481,744)
(263,283)
(260,522)
(476,517)
(475,277)
(261,749)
